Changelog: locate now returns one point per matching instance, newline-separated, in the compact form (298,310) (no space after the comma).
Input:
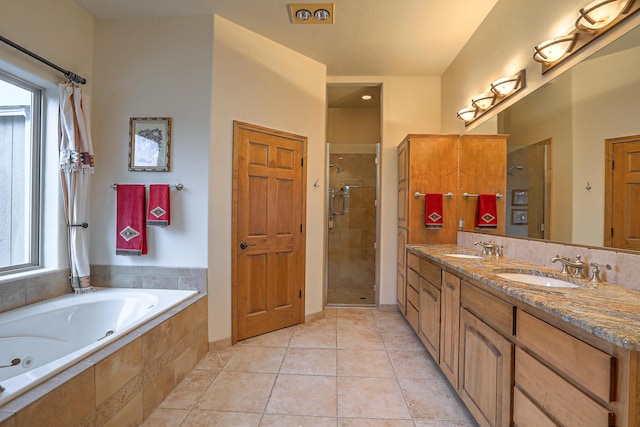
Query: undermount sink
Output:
(539,280)
(467,256)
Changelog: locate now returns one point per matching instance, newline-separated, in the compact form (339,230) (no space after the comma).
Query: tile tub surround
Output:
(354,367)
(606,310)
(122,383)
(24,291)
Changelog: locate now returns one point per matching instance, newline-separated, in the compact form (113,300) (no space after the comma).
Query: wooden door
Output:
(269,201)
(622,222)
(450,326)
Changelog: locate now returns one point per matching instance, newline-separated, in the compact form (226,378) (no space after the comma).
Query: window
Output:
(20,105)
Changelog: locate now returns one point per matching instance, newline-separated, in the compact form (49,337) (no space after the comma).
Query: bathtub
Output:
(42,339)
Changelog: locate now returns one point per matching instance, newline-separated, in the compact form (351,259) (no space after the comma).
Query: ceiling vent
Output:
(311,13)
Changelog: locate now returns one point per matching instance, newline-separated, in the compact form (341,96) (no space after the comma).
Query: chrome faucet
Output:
(487,248)
(578,265)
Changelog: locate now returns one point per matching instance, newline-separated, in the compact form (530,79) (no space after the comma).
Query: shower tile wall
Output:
(351,272)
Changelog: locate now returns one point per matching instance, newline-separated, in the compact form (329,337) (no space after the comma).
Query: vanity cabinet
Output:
(515,365)
(427,164)
(429,310)
(486,356)
(443,164)
(401,274)
(450,326)
(413,290)
(572,381)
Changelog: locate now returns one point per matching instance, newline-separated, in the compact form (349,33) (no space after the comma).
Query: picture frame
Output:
(150,144)
(519,217)
(520,197)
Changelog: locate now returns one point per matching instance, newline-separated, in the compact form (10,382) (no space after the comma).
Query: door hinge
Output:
(302,162)
(301,228)
(613,164)
(300,294)
(375,161)
(611,231)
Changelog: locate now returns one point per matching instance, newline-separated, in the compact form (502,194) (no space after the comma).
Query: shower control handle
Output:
(244,245)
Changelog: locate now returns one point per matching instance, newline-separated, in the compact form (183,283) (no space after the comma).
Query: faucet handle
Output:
(595,271)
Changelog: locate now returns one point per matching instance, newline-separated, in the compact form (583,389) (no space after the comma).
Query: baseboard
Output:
(313,316)
(388,307)
(220,344)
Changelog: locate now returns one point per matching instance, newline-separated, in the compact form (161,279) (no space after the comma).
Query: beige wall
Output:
(258,81)
(166,72)
(353,126)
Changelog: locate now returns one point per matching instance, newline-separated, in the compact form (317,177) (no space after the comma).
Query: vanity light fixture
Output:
(553,49)
(601,13)
(467,114)
(507,85)
(594,20)
(499,90)
(311,13)
(484,101)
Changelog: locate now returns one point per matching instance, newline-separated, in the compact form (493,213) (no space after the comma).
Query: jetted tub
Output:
(42,339)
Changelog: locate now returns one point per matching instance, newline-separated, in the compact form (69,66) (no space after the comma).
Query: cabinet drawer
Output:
(412,317)
(528,414)
(413,262)
(492,310)
(413,296)
(413,280)
(431,273)
(567,404)
(584,364)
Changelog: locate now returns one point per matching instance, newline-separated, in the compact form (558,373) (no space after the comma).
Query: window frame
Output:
(36,192)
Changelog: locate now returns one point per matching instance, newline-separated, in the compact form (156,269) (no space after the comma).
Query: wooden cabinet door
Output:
(429,325)
(401,286)
(403,184)
(449,327)
(486,371)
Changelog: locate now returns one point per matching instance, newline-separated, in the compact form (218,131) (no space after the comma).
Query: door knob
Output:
(244,245)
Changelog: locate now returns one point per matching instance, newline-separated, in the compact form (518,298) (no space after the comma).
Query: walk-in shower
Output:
(352,224)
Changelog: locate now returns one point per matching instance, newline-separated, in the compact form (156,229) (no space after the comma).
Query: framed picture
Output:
(519,217)
(149,144)
(520,197)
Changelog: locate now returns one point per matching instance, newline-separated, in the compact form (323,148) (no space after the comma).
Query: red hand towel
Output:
(159,213)
(131,227)
(433,210)
(486,211)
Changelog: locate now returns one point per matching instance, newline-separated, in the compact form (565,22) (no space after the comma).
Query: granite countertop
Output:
(606,310)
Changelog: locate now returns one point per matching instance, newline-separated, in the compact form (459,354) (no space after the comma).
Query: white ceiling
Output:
(369,37)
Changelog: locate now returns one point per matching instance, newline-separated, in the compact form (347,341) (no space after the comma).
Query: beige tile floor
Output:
(353,368)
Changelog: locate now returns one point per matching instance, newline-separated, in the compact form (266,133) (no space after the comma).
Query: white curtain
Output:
(76,166)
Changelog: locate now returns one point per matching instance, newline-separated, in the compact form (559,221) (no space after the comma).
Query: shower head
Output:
(510,170)
(337,166)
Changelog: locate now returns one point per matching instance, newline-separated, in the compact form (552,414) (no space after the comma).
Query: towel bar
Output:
(448,195)
(178,186)
(467,195)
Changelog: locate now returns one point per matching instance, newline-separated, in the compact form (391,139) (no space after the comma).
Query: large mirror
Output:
(556,150)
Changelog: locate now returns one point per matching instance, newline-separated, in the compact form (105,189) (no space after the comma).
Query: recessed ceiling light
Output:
(366,97)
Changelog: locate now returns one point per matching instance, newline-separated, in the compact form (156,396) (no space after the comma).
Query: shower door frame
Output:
(377,239)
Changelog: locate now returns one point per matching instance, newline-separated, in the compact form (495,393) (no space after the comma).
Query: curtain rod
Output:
(72,77)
